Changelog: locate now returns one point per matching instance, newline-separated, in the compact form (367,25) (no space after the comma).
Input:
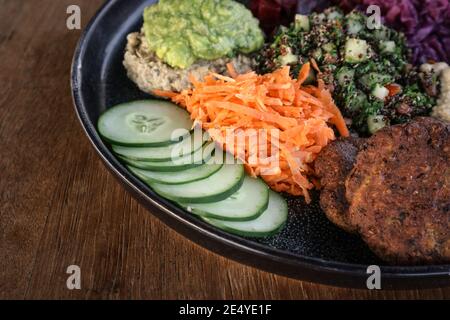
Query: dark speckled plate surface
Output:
(309,247)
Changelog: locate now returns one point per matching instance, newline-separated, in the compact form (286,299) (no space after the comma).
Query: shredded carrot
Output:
(231,70)
(291,122)
(315,66)
(304,73)
(165,94)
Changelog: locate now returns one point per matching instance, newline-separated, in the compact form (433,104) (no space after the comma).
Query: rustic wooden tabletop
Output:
(59,206)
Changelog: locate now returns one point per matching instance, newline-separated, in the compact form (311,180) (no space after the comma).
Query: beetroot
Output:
(272,13)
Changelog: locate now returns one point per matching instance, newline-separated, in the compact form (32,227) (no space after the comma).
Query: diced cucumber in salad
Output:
(302,22)
(184,170)
(356,50)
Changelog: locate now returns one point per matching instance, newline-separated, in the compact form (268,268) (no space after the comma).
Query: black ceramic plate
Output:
(308,248)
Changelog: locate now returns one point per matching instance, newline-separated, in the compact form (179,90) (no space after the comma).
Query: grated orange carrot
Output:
(295,122)
(304,73)
(231,70)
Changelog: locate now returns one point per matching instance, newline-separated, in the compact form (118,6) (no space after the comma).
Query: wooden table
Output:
(59,206)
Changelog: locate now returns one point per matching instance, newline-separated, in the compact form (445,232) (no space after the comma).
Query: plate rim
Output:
(395,277)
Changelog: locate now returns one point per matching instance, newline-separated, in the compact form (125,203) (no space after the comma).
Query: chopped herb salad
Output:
(365,68)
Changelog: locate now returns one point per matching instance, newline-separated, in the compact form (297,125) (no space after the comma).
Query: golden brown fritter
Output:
(332,166)
(399,192)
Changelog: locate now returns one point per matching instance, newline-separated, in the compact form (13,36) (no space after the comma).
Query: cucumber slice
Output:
(198,158)
(178,177)
(266,224)
(185,147)
(248,203)
(146,123)
(216,187)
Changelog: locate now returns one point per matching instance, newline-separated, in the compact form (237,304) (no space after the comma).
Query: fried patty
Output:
(332,166)
(399,192)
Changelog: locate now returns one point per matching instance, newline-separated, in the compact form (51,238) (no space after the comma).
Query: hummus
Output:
(149,72)
(442,109)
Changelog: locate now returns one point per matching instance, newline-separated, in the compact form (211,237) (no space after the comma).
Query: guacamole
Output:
(181,32)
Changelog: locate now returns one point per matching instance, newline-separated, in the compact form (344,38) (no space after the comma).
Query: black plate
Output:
(308,248)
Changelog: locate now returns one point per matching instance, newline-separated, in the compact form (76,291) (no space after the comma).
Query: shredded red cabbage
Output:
(426,24)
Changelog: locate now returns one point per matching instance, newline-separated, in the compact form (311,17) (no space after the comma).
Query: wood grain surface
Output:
(59,206)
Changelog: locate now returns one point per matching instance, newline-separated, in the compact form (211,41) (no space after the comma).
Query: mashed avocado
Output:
(181,32)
